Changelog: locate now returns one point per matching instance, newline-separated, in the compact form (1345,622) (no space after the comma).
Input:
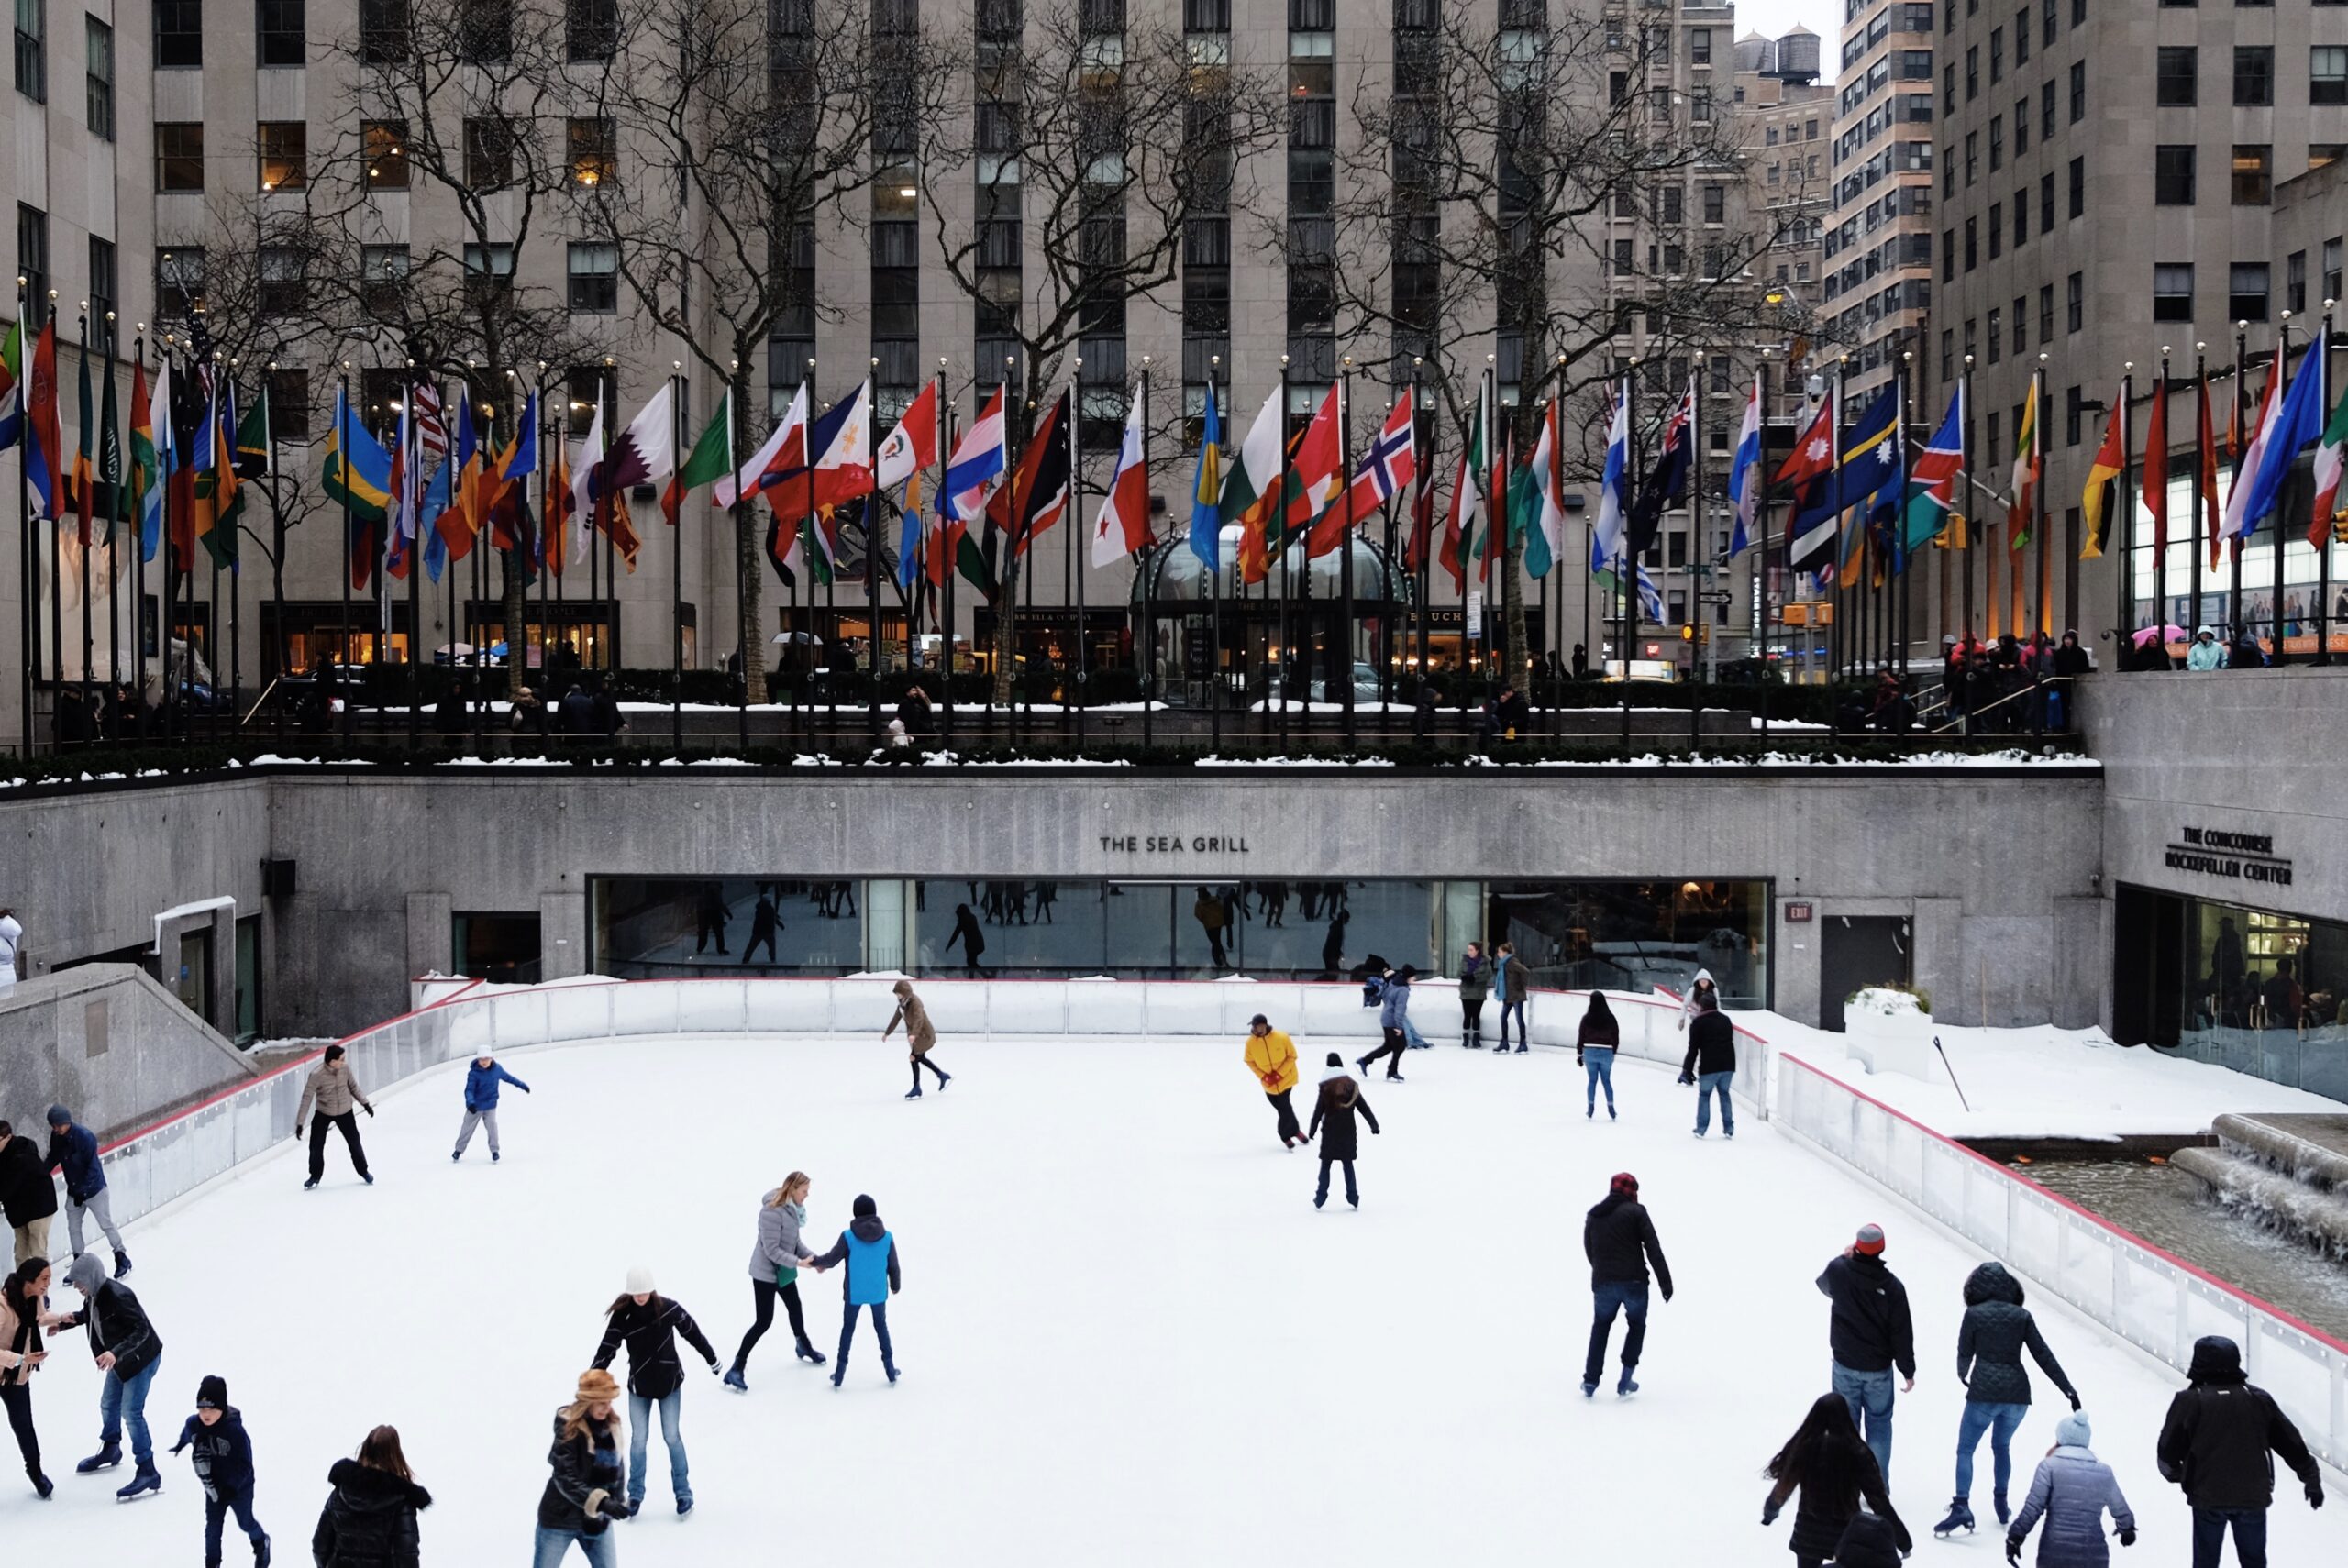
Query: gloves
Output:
(1666,1293)
(2315,1494)
(369,1110)
(1769,1514)
(2013,1548)
(299,1129)
(2074,1399)
(615,1509)
(1687,1078)
(1579,1061)
(714,1371)
(2127,1538)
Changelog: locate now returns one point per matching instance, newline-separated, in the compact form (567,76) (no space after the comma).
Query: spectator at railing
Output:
(2207,652)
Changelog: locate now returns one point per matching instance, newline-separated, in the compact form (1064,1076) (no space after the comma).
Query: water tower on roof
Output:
(1756,55)
(1798,58)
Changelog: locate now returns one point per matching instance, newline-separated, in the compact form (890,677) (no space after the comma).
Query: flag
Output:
(86,477)
(44,440)
(407,493)
(1039,493)
(2023,508)
(839,469)
(645,452)
(1414,547)
(1884,477)
(2328,466)
(1650,597)
(1122,525)
(1868,466)
(1247,484)
(2103,468)
(783,449)
(1206,490)
(912,445)
(219,498)
(980,459)
(2154,487)
(711,460)
(1667,480)
(357,474)
(11,384)
(2246,469)
(455,524)
(1744,474)
(1545,538)
(2206,446)
(1390,464)
(1460,539)
(1498,526)
(146,462)
(1809,471)
(1316,475)
(2297,421)
(1931,479)
(1613,490)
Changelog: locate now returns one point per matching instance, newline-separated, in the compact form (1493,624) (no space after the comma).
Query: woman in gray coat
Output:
(774,1271)
(2071,1491)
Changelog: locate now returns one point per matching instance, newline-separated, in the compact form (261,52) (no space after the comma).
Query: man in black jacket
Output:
(1620,1242)
(127,1351)
(27,1197)
(2215,1444)
(1712,1063)
(1870,1332)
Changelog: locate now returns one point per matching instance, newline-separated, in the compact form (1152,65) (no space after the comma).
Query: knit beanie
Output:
(1870,1242)
(59,1116)
(1334,1060)
(211,1392)
(1624,1185)
(639,1281)
(2072,1431)
(864,1207)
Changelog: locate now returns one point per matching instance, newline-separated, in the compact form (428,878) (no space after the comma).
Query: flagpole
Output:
(950,568)
(212,613)
(2127,520)
(2282,385)
(2323,551)
(1758,477)
(1278,686)
(2160,539)
(1148,577)
(137,559)
(111,489)
(1624,585)
(1214,596)
(1898,535)
(1386,596)
(56,562)
(1346,543)
(871,563)
(2200,482)
(84,504)
(1426,540)
(677,564)
(24,517)
(2233,456)
(236,603)
(1073,693)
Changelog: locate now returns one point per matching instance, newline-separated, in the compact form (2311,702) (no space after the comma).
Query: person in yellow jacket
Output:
(1271,1056)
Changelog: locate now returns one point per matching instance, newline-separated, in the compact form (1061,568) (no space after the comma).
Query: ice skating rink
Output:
(1126,1336)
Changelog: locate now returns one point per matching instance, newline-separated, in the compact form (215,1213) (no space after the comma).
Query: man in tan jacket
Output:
(919,1036)
(330,1093)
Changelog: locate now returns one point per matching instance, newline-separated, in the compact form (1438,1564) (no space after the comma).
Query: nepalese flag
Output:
(1931,479)
(1744,473)
(1122,525)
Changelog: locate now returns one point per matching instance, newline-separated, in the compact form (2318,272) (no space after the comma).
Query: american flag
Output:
(431,427)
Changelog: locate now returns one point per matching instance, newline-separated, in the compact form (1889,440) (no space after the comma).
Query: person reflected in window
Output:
(765,920)
(973,940)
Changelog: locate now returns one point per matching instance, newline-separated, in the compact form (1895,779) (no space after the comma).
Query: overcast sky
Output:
(1771,18)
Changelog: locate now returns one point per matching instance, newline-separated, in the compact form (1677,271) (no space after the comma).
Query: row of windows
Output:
(32,65)
(591,145)
(2077,208)
(2177,76)
(2175,171)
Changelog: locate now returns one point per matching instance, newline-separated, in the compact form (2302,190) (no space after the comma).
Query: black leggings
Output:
(18,1398)
(762,1295)
(1471,1019)
(921,1062)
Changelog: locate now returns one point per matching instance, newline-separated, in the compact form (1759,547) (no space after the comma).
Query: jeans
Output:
(1411,1035)
(553,1545)
(478,1119)
(1606,1299)
(1286,1113)
(99,1208)
(1598,1066)
(1353,1193)
(124,1404)
(1706,1084)
(1868,1394)
(2000,1422)
(762,1295)
(348,1124)
(672,1432)
(216,1510)
(1512,1007)
(2209,1536)
(880,1311)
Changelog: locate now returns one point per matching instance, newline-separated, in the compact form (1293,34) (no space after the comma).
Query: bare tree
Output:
(1059,176)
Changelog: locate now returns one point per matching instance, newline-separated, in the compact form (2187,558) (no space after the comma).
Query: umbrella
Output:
(802,639)
(454,650)
(2165,633)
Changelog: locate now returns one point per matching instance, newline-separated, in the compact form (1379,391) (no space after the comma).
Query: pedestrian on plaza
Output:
(1515,714)
(765,921)
(582,1497)
(576,712)
(370,1518)
(1423,713)
(1618,1238)
(608,721)
(1510,985)
(1474,985)
(2207,652)
(74,1150)
(973,940)
(1595,1043)
(649,1324)
(1834,1472)
(1582,661)
(870,1254)
(2221,1429)
(1393,1011)
(1869,1332)
(914,710)
(1271,1056)
(12,941)
(1710,1063)
(1996,1330)
(2071,1491)
(332,1090)
(775,1262)
(224,1467)
(28,1196)
(482,1083)
(24,1313)
(1340,1099)
(1488,726)
(127,1351)
(919,1036)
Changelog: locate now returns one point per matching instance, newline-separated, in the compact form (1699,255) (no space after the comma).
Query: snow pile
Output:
(1881,1002)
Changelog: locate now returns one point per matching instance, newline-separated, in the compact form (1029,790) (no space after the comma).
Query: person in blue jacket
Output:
(870,1254)
(481,1103)
(73,1149)
(223,1464)
(1508,987)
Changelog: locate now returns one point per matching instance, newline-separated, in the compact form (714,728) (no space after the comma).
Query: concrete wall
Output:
(110,1043)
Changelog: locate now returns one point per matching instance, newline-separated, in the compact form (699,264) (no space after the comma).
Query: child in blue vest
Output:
(223,1464)
(870,1254)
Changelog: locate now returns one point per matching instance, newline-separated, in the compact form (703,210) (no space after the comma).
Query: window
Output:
(2047,111)
(2294,281)
(32,49)
(2021,324)
(1675,205)
(178,281)
(489,154)
(1948,355)
(593,146)
(2074,302)
(383,275)
(179,155)
(284,31)
(489,269)
(1996,55)
(105,286)
(382,31)
(1715,203)
(2022,222)
(384,143)
(1996,333)
(2254,175)
(1972,244)
(178,33)
(32,262)
(2246,291)
(1997,232)
(2022,37)
(1997,143)
(484,31)
(285,154)
(2322,154)
(2177,75)
(593,28)
(2078,187)
(1972,157)
(288,405)
(1972,73)
(2021,127)
(2331,269)
(2078,90)
(2172,291)
(1699,46)
(2074,415)
(2173,169)
(594,278)
(98,52)
(2253,75)
(2328,75)
(284,281)
(2045,202)
(2046,313)
(1948,255)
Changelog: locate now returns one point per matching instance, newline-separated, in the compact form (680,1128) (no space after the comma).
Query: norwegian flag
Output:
(1391,462)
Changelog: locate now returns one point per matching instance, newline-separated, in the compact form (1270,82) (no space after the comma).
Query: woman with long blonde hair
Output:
(581,1495)
(775,1262)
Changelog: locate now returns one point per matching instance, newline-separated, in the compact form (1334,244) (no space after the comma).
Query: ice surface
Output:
(1126,1336)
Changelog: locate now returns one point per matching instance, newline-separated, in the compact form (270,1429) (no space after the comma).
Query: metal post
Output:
(1344,544)
(677,565)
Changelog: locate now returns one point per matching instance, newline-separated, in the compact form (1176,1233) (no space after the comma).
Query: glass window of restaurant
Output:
(2260,990)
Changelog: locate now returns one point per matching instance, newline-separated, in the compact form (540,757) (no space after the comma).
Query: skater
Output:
(967,932)
(1699,991)
(332,1090)
(1868,1541)
(2215,1443)
(370,1518)
(482,1081)
(1271,1056)
(582,1497)
(1475,984)
(1619,1239)
(870,1254)
(710,915)
(1710,1065)
(22,1318)
(1595,1043)
(27,1197)
(919,1036)
(127,1351)
(1870,1332)
(1832,1470)
(73,1149)
(1211,916)
(1393,1011)
(775,1262)
(649,1324)
(765,920)
(224,1466)
(2071,1491)
(1989,1342)
(1340,1099)
(12,939)
(1509,989)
